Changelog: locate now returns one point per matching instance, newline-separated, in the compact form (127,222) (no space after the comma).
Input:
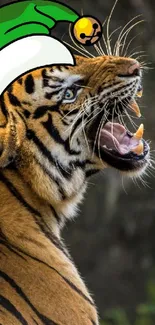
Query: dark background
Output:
(112,240)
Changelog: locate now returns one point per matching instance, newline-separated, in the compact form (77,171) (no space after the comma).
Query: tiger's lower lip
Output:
(127,162)
(130,155)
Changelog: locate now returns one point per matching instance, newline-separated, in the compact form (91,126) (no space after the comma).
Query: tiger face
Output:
(66,121)
(85,101)
(110,87)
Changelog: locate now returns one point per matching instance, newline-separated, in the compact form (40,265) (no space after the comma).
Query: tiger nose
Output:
(134,69)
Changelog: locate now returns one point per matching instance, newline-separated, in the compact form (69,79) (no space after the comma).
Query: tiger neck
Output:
(29,228)
(27,219)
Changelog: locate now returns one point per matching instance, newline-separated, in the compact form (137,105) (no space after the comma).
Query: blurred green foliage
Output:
(144,314)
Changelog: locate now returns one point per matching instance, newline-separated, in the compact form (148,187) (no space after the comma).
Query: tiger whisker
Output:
(121,120)
(84,87)
(144,182)
(126,107)
(77,50)
(114,31)
(79,46)
(112,124)
(138,52)
(125,39)
(144,64)
(85,136)
(101,49)
(87,121)
(71,110)
(108,29)
(103,38)
(71,138)
(75,119)
(66,115)
(128,45)
(124,32)
(98,132)
(73,40)
(58,167)
(112,119)
(141,56)
(145,67)
(98,136)
(105,44)
(71,127)
(99,128)
(133,51)
(85,50)
(78,106)
(97,49)
(124,115)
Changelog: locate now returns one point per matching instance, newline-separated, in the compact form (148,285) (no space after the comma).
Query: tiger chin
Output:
(58,126)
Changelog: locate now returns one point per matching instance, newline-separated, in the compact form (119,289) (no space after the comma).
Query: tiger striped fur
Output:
(46,157)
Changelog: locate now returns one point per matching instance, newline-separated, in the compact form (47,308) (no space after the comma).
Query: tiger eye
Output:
(55,79)
(87,30)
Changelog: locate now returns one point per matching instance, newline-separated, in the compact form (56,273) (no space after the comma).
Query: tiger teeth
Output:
(134,106)
(139,149)
(139,93)
(139,134)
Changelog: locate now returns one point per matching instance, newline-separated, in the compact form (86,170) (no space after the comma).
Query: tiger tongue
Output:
(134,107)
(115,137)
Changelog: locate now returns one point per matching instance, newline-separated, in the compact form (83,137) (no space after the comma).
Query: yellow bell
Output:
(87,30)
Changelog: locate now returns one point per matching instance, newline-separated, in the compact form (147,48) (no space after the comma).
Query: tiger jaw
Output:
(117,146)
(110,140)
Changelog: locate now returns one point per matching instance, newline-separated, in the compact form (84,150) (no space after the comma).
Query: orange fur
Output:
(39,190)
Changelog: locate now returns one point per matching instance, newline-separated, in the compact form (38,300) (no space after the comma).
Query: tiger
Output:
(59,125)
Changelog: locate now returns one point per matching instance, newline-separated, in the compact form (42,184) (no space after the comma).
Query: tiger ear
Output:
(12,134)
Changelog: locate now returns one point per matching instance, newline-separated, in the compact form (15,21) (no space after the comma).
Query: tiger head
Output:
(61,124)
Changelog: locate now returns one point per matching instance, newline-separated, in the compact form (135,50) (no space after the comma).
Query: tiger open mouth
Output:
(120,148)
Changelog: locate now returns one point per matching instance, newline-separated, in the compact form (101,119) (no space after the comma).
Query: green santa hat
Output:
(25,41)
